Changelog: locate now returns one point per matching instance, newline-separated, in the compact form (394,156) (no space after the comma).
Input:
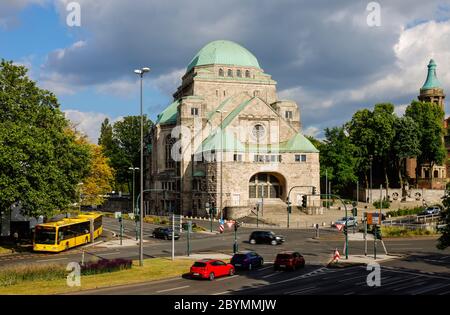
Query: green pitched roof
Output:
(299,143)
(432,81)
(213,142)
(169,115)
(223,52)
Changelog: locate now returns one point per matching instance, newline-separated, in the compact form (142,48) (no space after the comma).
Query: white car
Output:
(432,210)
(350,222)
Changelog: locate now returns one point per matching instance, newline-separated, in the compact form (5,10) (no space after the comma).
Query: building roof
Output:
(432,81)
(169,115)
(223,52)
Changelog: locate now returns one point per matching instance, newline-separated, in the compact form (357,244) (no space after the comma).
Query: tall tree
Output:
(122,146)
(382,125)
(363,138)
(404,145)
(41,162)
(337,157)
(106,136)
(429,119)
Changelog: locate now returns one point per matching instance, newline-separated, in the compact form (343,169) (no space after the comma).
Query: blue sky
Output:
(324,56)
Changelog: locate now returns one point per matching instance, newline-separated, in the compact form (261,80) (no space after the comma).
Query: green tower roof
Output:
(169,115)
(223,52)
(432,81)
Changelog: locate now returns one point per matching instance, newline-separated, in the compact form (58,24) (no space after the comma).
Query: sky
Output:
(331,58)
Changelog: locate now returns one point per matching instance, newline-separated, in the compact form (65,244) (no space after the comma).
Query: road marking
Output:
(173,289)
(230,277)
(261,269)
(352,278)
(271,274)
(418,275)
(54,259)
(220,293)
(349,293)
(301,290)
(409,285)
(430,288)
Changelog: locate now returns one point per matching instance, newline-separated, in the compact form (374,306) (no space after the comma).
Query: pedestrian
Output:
(16,238)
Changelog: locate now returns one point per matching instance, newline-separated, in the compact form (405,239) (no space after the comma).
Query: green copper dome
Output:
(432,81)
(223,52)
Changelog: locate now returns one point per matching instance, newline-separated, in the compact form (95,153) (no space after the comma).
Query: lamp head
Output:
(146,69)
(138,71)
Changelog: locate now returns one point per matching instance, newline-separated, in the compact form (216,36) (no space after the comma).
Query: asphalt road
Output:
(423,269)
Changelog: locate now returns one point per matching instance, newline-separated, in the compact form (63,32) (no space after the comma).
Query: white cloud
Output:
(88,123)
(311,131)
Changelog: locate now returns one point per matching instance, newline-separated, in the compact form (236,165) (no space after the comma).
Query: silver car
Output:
(350,222)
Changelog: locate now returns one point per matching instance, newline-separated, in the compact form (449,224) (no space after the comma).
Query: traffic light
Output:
(289,208)
(236,225)
(314,190)
(377,232)
(345,229)
(304,201)
(355,212)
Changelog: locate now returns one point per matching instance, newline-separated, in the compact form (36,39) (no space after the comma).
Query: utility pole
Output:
(134,206)
(365,233)
(326,186)
(141,73)
(173,234)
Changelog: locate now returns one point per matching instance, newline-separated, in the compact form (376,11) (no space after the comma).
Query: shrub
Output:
(385,204)
(396,231)
(404,212)
(21,273)
(106,265)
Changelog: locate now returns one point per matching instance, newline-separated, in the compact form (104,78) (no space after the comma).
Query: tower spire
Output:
(432,81)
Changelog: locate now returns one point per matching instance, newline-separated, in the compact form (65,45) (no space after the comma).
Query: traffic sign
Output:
(230,224)
(373,218)
(339,227)
(221,228)
(117,214)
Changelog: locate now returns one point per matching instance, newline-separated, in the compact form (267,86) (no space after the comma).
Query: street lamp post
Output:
(141,73)
(370,159)
(134,206)
(221,161)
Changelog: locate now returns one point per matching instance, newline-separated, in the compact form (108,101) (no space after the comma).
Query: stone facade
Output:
(227,140)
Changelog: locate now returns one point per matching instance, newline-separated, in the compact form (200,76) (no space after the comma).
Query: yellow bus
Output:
(66,233)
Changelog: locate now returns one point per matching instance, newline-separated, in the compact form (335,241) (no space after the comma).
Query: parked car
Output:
(165,233)
(350,222)
(265,237)
(289,260)
(211,269)
(247,260)
(431,210)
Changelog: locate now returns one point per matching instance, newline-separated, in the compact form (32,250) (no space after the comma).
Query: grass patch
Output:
(5,251)
(395,231)
(153,269)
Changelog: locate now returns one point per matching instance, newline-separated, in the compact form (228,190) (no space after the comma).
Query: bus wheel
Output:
(87,240)
(67,246)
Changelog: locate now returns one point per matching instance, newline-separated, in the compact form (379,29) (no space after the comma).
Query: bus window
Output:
(45,235)
(97,223)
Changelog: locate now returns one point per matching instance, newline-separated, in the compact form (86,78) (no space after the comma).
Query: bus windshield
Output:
(45,235)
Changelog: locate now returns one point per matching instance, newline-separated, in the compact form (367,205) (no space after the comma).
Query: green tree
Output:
(337,157)
(429,118)
(382,125)
(41,163)
(122,146)
(404,145)
(363,138)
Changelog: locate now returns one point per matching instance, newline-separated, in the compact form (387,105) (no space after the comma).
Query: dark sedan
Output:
(165,233)
(247,260)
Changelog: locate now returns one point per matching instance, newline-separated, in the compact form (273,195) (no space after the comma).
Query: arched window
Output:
(239,73)
(436,174)
(169,142)
(220,72)
(247,73)
(230,72)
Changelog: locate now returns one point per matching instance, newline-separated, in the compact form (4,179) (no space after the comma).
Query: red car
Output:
(211,268)
(289,260)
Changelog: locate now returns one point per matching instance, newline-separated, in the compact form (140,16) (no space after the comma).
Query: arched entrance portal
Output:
(265,185)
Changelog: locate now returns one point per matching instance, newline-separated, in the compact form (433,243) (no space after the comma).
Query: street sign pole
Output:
(365,233)
(257,215)
(375,243)
(173,235)
(189,238)
(121,230)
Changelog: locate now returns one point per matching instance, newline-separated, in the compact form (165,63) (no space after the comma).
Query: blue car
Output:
(247,260)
